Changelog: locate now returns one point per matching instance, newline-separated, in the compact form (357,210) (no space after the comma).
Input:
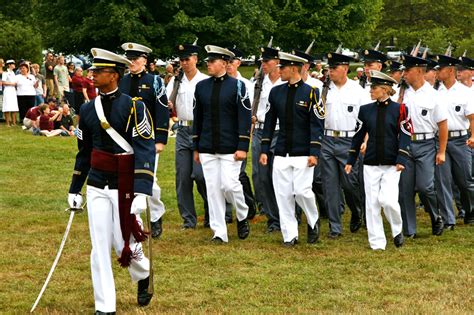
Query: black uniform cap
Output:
(466,63)
(237,52)
(447,61)
(186,50)
(269,53)
(410,61)
(371,55)
(335,59)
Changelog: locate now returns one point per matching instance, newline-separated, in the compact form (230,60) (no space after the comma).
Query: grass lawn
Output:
(427,275)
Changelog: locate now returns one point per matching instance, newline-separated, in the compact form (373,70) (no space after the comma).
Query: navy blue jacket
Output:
(301,131)
(151,89)
(389,136)
(222,116)
(118,112)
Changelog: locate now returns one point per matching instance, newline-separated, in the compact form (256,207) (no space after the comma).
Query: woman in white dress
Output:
(26,84)
(10,102)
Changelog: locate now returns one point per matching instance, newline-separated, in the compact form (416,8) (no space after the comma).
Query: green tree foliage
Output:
(19,40)
(436,23)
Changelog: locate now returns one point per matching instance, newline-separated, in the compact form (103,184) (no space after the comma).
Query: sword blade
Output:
(151,287)
(58,255)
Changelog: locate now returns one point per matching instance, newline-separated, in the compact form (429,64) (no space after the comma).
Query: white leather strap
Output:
(111,131)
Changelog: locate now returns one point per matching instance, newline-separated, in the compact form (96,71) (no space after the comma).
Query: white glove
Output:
(74,200)
(138,204)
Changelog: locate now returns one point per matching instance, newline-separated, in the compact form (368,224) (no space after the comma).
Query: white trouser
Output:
(28,123)
(221,173)
(104,226)
(292,180)
(157,208)
(381,191)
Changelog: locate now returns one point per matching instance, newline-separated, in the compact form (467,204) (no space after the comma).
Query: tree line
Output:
(29,26)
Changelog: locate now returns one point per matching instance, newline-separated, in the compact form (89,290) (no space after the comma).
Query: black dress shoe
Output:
(291,243)
(334,235)
(104,313)
(437,226)
(313,234)
(143,297)
(399,240)
(217,240)
(449,227)
(156,228)
(356,222)
(243,229)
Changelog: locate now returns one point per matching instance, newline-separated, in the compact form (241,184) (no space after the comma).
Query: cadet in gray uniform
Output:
(458,100)
(428,117)
(187,170)
(344,99)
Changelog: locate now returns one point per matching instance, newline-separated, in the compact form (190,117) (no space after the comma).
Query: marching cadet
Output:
(295,105)
(262,174)
(187,170)
(221,136)
(344,98)
(232,70)
(317,84)
(466,72)
(117,156)
(431,74)
(151,90)
(387,124)
(428,117)
(459,102)
(395,72)
(373,60)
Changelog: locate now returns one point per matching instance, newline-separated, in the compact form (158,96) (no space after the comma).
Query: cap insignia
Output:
(130,45)
(94,53)
(181,47)
(329,55)
(262,49)
(366,52)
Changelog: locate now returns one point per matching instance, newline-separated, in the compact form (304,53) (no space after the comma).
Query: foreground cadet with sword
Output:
(117,156)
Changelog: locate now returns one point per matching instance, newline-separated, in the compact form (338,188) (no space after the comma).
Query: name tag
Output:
(302,103)
(144,87)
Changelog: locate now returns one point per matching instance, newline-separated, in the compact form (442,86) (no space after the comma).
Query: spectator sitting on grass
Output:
(31,118)
(46,121)
(67,123)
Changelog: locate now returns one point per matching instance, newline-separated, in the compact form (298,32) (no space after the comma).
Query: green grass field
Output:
(428,275)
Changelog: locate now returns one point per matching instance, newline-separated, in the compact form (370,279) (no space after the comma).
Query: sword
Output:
(58,255)
(149,239)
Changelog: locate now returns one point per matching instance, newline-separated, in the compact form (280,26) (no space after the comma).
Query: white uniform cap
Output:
(287,59)
(107,59)
(216,52)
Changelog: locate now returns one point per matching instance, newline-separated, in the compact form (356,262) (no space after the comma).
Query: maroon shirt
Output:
(45,124)
(78,83)
(91,93)
(33,113)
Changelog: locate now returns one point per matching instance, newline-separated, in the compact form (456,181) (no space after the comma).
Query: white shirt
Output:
(343,104)
(25,85)
(395,96)
(267,85)
(9,76)
(185,97)
(249,86)
(424,109)
(314,83)
(459,103)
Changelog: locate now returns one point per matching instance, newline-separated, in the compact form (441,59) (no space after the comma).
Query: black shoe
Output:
(334,235)
(356,222)
(410,236)
(437,226)
(156,228)
(143,297)
(243,229)
(313,234)
(217,240)
(398,240)
(104,313)
(461,214)
(291,243)
(449,227)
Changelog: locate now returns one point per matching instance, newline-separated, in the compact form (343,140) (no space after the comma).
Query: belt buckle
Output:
(104,124)
(336,133)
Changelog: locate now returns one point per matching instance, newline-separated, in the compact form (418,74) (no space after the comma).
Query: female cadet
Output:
(389,129)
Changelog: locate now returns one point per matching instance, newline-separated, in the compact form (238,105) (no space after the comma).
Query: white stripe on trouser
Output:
(104,227)
(221,173)
(292,180)
(381,191)
(157,208)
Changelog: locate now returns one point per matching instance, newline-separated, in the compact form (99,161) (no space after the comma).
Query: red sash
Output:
(124,166)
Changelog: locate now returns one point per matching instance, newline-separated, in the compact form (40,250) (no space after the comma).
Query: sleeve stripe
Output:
(138,171)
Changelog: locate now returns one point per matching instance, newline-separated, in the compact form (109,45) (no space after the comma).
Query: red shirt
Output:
(78,83)
(91,93)
(45,124)
(33,113)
